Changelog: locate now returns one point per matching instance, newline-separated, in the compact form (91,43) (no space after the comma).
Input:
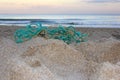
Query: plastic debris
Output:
(67,34)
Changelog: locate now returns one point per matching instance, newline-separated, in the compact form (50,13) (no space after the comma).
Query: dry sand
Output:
(41,59)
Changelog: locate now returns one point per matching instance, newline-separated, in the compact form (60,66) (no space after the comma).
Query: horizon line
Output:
(59,14)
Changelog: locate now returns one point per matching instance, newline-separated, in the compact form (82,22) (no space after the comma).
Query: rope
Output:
(67,34)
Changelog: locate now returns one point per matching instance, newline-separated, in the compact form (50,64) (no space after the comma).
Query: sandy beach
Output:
(49,59)
(94,33)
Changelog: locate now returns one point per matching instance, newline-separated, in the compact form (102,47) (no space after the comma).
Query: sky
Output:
(59,6)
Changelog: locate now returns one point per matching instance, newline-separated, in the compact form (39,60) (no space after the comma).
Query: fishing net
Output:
(67,34)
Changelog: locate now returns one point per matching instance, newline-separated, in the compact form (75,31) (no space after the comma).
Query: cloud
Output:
(102,1)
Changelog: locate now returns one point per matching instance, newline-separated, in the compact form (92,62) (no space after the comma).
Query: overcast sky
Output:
(59,6)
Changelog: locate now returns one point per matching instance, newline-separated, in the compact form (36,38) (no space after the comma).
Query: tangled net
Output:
(67,34)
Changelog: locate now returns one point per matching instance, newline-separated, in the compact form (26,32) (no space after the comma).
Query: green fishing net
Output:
(67,34)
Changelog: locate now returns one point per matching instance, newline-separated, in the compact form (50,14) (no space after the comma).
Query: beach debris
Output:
(67,34)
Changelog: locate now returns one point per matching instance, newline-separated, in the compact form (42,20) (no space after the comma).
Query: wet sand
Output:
(94,33)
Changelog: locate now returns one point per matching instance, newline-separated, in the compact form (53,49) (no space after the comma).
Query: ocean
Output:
(102,21)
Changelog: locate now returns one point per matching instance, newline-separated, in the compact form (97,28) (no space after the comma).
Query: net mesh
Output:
(67,34)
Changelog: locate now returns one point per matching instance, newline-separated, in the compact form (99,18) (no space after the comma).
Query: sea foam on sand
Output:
(41,59)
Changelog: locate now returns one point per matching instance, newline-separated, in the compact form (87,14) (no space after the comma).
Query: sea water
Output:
(102,21)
